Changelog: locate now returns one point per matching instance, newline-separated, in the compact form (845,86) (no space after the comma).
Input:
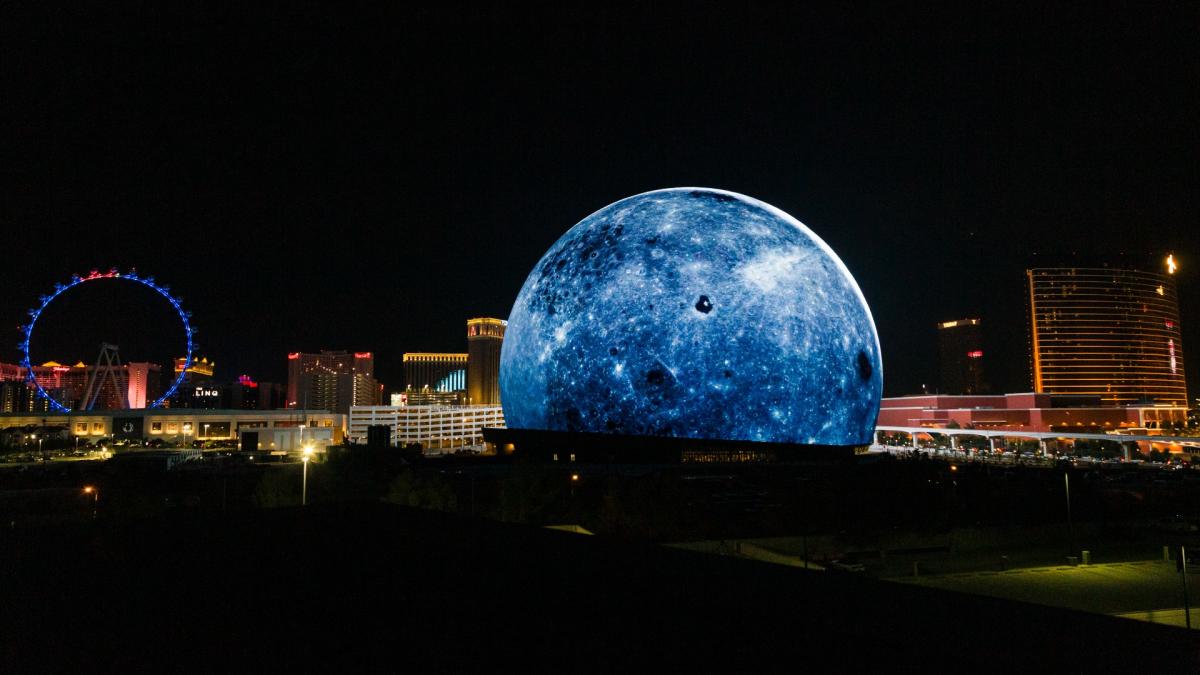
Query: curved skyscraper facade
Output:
(1111,333)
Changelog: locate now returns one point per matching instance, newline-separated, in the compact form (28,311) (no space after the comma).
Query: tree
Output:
(278,487)
(422,492)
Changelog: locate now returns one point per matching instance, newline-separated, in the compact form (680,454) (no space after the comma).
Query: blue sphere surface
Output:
(698,313)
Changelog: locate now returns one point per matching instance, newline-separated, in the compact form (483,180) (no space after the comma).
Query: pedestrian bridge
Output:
(1128,442)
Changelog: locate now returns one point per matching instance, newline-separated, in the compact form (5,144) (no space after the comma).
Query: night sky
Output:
(321,178)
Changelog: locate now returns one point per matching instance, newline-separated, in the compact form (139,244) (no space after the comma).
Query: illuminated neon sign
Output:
(977,354)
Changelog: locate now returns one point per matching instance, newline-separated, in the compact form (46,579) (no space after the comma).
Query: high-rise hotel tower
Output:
(1107,332)
(484,337)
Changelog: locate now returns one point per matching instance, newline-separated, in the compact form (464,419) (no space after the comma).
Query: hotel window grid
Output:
(1104,332)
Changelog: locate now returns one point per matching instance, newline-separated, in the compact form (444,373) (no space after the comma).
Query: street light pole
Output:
(1187,610)
(1070,529)
(304,481)
(95,493)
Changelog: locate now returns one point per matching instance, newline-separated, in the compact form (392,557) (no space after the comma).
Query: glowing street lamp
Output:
(308,450)
(95,493)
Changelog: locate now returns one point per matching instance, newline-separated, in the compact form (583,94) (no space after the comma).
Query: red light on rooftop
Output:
(977,354)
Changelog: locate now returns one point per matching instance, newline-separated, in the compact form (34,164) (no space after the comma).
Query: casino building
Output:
(960,351)
(1107,332)
(175,427)
(136,384)
(484,339)
(332,380)
(1026,412)
(435,371)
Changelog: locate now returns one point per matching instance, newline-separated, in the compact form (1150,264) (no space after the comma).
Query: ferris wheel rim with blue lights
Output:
(76,280)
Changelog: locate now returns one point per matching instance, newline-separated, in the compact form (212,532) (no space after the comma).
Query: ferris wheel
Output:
(76,280)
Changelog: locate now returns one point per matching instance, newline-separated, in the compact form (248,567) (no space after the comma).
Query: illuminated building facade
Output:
(435,398)
(140,383)
(960,351)
(438,429)
(19,397)
(247,394)
(1025,412)
(435,372)
(332,381)
(16,395)
(145,383)
(201,369)
(278,430)
(1107,332)
(484,339)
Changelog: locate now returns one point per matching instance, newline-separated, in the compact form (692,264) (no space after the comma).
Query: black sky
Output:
(322,177)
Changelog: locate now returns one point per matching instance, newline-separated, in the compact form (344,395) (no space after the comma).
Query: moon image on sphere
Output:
(697,313)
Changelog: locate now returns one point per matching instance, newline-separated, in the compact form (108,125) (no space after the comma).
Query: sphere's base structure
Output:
(538,445)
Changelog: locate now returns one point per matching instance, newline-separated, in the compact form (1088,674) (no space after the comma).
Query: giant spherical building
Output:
(693,313)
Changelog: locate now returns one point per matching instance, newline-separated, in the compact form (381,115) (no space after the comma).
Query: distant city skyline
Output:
(932,377)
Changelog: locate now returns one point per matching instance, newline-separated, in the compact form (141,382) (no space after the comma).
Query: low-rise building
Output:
(439,429)
(181,426)
(1025,412)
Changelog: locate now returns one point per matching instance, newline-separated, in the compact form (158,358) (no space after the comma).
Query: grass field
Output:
(1131,588)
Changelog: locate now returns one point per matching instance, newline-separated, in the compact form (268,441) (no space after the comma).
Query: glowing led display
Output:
(695,313)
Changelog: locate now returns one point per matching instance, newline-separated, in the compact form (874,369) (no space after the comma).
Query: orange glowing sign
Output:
(362,355)
(293,356)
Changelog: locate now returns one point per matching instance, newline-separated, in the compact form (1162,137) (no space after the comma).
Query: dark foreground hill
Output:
(348,587)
